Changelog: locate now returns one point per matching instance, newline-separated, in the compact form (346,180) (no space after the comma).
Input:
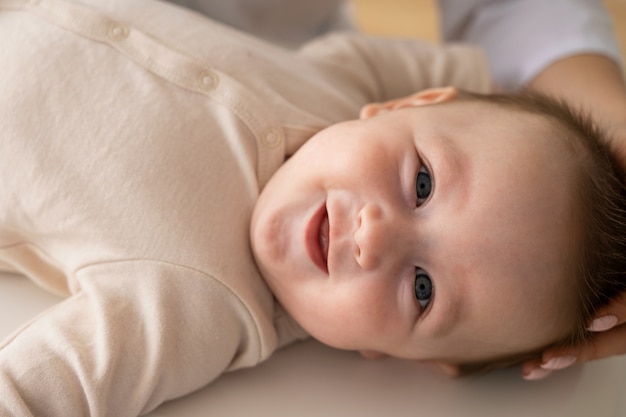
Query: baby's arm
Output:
(381,69)
(137,333)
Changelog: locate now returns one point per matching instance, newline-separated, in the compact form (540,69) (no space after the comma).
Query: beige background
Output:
(399,17)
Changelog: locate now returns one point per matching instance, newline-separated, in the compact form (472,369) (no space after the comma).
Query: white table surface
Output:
(308,379)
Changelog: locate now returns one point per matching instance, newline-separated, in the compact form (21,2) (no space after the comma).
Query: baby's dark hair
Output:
(599,248)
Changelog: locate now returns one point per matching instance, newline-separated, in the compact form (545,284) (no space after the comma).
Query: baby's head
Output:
(476,231)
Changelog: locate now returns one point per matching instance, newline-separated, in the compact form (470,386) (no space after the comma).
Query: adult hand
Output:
(595,84)
(609,340)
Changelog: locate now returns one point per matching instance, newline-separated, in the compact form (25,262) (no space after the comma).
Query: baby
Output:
(192,192)
(475,232)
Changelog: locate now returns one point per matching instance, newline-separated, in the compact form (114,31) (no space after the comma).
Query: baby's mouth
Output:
(323,237)
(316,238)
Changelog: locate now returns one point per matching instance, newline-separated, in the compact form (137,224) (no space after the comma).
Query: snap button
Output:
(118,32)
(208,81)
(271,137)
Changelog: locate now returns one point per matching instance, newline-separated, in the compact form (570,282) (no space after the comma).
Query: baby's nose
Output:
(376,239)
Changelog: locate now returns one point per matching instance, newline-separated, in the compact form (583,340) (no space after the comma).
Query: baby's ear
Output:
(421,98)
(371,354)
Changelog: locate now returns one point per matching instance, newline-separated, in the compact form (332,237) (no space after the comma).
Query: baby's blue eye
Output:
(423,186)
(423,288)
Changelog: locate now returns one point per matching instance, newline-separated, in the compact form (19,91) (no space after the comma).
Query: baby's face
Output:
(434,232)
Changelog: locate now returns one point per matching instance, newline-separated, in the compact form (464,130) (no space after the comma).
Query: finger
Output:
(604,344)
(532,370)
(552,360)
(610,316)
(557,363)
(603,323)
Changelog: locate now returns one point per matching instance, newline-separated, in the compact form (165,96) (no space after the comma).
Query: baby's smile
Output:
(316,238)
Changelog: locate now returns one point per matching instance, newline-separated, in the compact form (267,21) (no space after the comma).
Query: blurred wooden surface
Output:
(410,18)
(618,12)
(418,18)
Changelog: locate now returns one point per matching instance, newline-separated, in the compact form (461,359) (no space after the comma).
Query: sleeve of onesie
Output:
(380,69)
(138,333)
(522,37)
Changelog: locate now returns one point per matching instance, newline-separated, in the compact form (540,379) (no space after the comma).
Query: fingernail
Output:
(559,362)
(537,374)
(602,323)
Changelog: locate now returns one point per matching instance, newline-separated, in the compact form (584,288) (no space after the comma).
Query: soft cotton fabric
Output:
(136,137)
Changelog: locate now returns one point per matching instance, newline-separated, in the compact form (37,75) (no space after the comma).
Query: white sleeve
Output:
(522,37)
(378,69)
(137,334)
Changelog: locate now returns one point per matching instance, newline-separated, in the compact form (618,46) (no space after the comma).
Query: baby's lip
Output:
(325,237)
(316,238)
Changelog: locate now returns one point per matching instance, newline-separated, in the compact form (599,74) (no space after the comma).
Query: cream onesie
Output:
(135,139)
